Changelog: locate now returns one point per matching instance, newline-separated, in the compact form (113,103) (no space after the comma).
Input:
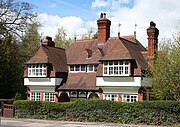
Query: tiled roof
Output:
(126,48)
(80,81)
(114,49)
(52,55)
(77,53)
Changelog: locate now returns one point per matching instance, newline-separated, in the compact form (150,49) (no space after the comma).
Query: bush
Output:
(156,112)
(18,96)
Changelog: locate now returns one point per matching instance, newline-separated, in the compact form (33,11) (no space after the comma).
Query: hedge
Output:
(151,112)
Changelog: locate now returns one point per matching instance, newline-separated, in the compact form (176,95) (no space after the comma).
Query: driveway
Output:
(12,122)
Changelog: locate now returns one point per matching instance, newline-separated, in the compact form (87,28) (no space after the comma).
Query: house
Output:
(109,68)
(45,72)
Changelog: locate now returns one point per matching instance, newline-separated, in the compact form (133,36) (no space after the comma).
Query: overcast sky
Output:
(77,16)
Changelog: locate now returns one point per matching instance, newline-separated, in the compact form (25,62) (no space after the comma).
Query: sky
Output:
(79,16)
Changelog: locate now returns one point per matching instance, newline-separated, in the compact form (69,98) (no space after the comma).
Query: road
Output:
(12,122)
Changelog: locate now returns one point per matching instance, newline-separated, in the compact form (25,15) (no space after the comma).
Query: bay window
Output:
(116,68)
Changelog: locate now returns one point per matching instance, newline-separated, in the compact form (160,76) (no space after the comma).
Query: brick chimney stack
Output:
(152,33)
(48,41)
(103,28)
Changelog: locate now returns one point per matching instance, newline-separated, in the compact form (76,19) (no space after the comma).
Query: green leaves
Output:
(61,39)
(94,110)
(166,72)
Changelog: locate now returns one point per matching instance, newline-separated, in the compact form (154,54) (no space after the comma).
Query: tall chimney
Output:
(103,28)
(152,33)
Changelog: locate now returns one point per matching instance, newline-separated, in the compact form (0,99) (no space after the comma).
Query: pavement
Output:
(13,122)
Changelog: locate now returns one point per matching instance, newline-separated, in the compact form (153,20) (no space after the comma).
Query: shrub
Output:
(93,110)
(18,96)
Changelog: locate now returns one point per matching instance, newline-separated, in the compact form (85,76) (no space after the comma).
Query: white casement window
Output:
(91,68)
(35,96)
(130,98)
(116,68)
(112,97)
(78,68)
(49,96)
(83,68)
(37,70)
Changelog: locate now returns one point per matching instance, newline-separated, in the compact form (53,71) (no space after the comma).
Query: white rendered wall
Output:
(118,81)
(42,81)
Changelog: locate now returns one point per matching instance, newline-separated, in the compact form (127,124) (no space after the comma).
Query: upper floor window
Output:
(37,70)
(83,68)
(91,68)
(116,68)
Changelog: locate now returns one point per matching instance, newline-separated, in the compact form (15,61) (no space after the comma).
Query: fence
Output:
(7,110)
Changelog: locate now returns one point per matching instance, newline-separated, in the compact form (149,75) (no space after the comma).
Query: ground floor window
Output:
(35,96)
(112,97)
(130,98)
(49,96)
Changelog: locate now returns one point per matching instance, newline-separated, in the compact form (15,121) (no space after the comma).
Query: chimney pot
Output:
(101,15)
(104,15)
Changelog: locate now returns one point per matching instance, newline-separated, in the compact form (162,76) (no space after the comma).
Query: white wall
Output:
(118,81)
(42,81)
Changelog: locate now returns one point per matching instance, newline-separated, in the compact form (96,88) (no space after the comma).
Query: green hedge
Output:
(152,112)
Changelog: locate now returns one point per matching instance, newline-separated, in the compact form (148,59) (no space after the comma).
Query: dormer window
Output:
(37,70)
(116,68)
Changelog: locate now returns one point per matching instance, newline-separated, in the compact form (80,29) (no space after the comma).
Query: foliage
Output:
(165,74)
(14,17)
(18,96)
(93,110)
(11,69)
(30,42)
(90,34)
(60,39)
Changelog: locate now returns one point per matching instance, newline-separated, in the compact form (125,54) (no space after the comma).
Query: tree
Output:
(60,39)
(11,70)
(30,42)
(165,74)
(95,36)
(14,17)
(90,34)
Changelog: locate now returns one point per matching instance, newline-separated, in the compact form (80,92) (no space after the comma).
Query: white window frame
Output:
(112,68)
(75,68)
(94,66)
(132,98)
(86,68)
(37,70)
(110,96)
(49,96)
(37,96)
